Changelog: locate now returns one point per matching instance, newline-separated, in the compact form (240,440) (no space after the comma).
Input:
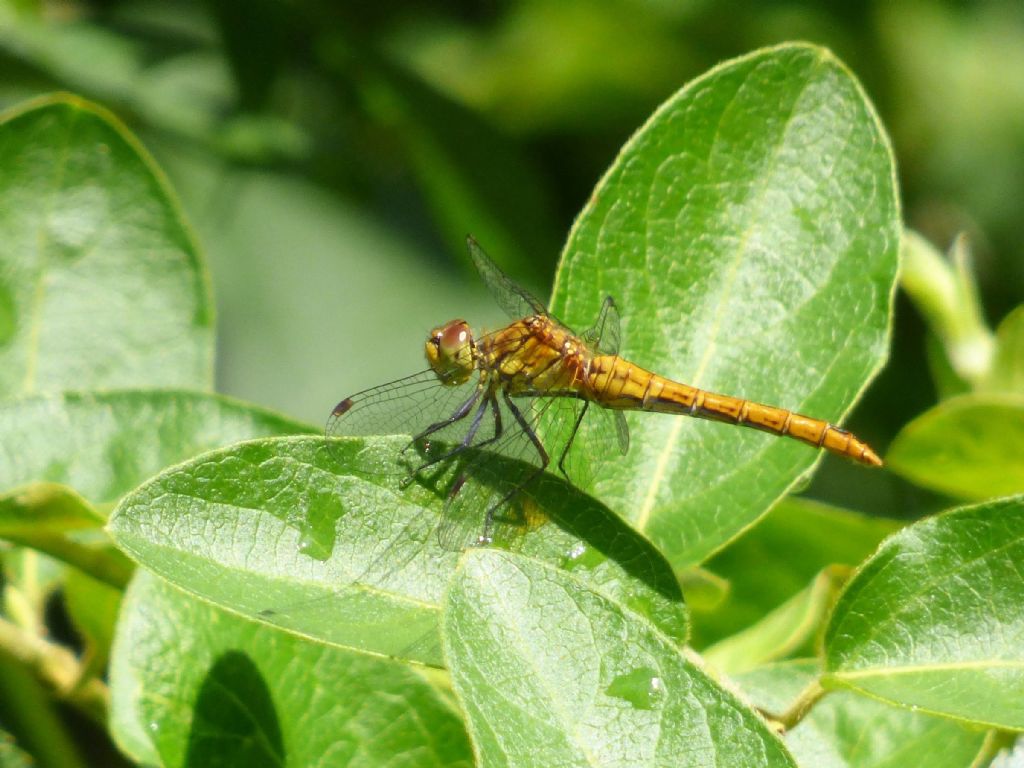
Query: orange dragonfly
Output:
(489,404)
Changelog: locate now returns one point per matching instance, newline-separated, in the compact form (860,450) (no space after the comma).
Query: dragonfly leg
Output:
(460,413)
(486,538)
(572,436)
(467,442)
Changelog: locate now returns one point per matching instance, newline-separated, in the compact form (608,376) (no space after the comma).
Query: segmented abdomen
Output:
(616,383)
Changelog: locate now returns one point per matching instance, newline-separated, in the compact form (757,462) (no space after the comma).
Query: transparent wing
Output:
(605,335)
(489,499)
(589,434)
(514,300)
(438,416)
(583,437)
(409,406)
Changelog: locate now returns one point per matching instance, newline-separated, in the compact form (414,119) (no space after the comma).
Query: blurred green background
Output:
(332,156)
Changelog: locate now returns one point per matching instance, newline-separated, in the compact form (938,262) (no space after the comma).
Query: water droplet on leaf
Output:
(642,688)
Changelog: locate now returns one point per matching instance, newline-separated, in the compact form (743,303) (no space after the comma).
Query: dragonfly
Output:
(503,407)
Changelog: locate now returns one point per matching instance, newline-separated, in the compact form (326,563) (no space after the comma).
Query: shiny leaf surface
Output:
(552,673)
(935,620)
(968,447)
(101,284)
(749,232)
(284,531)
(194,685)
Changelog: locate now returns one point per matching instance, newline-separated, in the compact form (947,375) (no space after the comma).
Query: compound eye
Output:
(454,336)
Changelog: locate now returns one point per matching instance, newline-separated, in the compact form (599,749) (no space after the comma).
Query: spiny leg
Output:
(568,443)
(544,461)
(489,400)
(460,413)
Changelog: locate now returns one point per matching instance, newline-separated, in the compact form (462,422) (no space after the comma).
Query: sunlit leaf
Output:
(45,508)
(195,685)
(846,730)
(1007,373)
(103,444)
(784,631)
(552,673)
(935,620)
(750,233)
(282,530)
(101,284)
(789,546)
(47,517)
(969,446)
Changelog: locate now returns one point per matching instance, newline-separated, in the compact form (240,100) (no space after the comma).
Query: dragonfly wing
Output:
(489,498)
(408,406)
(584,436)
(516,301)
(603,432)
(621,431)
(605,335)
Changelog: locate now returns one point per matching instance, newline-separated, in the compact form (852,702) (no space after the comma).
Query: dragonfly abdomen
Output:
(617,383)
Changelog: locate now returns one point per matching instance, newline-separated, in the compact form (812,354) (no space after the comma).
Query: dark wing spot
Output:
(343,407)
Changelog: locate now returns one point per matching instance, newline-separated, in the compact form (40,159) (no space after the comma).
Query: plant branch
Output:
(808,697)
(57,669)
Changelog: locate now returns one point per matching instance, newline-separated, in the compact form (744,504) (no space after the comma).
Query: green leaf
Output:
(103,444)
(45,508)
(552,673)
(969,446)
(789,546)
(935,619)
(750,233)
(280,530)
(101,284)
(791,626)
(845,730)
(1007,373)
(46,517)
(193,685)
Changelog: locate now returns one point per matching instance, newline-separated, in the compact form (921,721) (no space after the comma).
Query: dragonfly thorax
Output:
(451,352)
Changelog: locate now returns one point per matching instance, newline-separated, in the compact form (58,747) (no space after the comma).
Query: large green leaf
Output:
(552,673)
(845,730)
(968,447)
(794,625)
(282,530)
(55,520)
(750,233)
(935,620)
(789,546)
(103,444)
(193,685)
(101,284)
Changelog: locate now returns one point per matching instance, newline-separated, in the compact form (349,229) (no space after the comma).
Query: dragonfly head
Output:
(451,353)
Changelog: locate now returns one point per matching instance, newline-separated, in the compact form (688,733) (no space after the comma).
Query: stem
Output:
(29,714)
(808,697)
(57,669)
(106,566)
(995,742)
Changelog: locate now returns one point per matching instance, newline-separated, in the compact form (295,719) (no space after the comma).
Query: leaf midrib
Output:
(647,506)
